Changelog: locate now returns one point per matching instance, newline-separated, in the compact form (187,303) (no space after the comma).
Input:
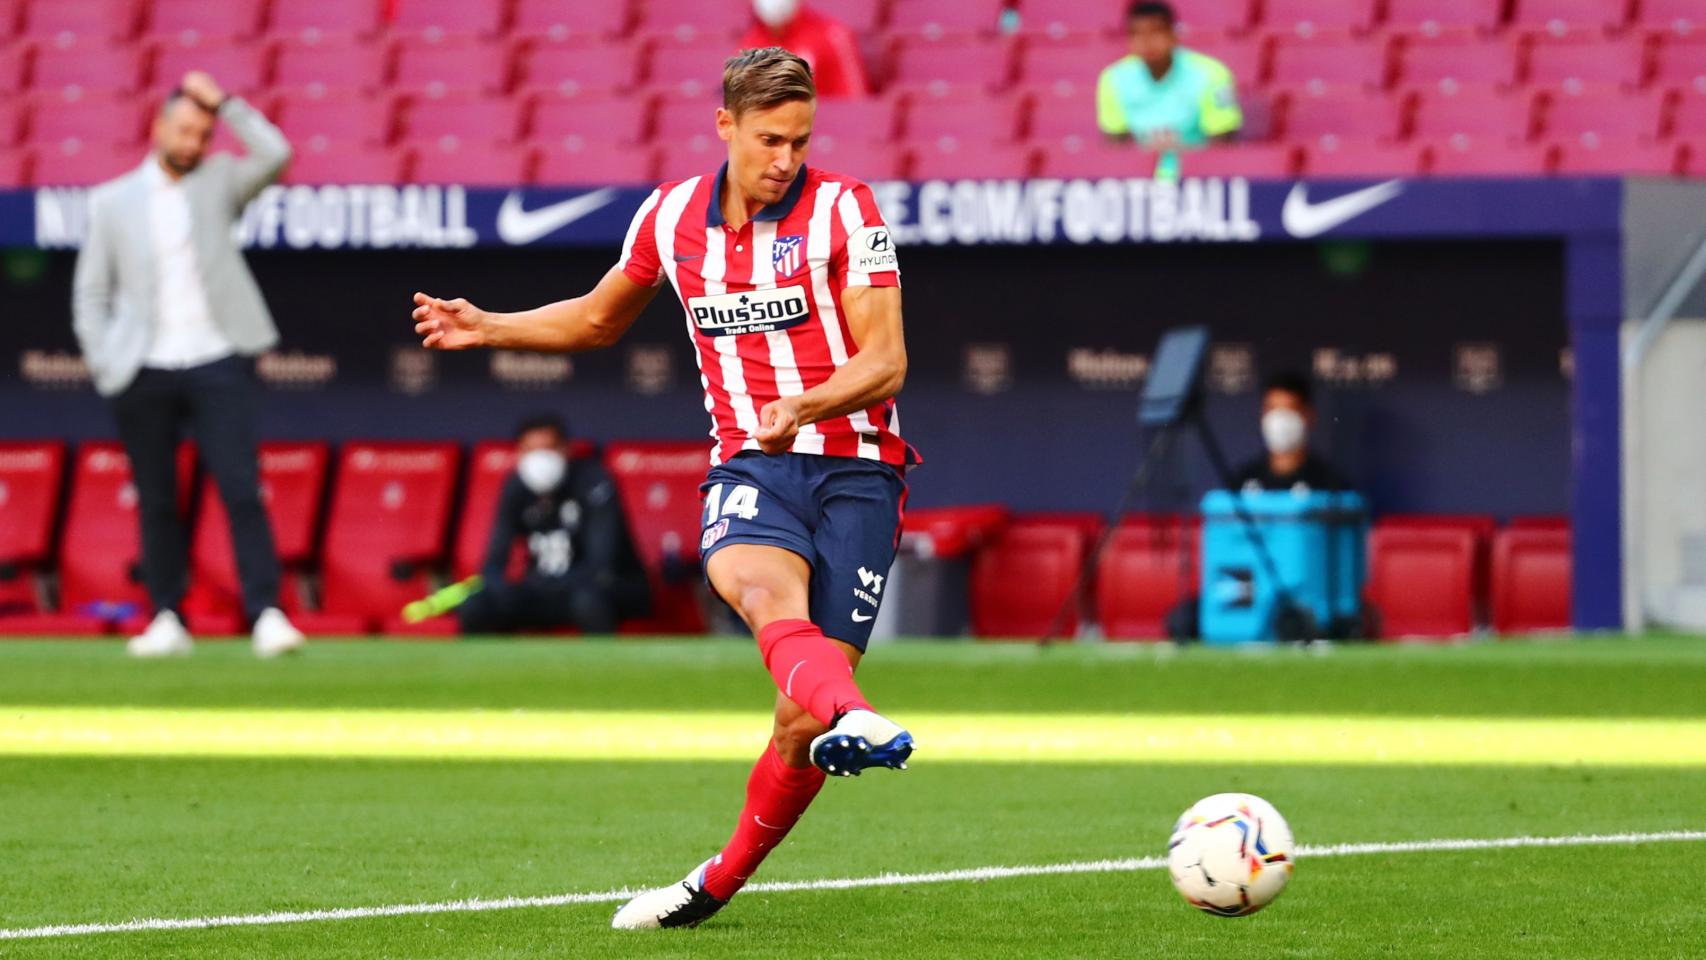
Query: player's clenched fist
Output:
(448,324)
(778,424)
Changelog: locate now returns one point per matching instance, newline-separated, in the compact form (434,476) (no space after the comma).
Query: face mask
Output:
(541,470)
(775,13)
(1283,431)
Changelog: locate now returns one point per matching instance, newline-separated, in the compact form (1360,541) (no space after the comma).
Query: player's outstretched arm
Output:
(869,377)
(589,322)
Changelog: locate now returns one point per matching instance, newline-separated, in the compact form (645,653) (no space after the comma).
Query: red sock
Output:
(809,670)
(776,795)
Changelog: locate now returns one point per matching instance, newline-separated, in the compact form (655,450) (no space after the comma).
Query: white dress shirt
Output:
(184,332)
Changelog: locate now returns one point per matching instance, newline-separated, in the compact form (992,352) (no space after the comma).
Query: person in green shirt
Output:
(1164,96)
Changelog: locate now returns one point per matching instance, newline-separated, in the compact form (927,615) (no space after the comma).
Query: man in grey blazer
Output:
(169,320)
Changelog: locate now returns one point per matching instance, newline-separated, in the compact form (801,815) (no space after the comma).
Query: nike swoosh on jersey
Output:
(518,227)
(683,258)
(860,619)
(1304,219)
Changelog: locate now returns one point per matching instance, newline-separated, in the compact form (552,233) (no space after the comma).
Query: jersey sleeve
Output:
(866,255)
(640,248)
(1219,113)
(1110,115)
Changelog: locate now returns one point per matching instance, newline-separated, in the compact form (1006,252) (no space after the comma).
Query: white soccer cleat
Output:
(275,634)
(861,739)
(685,904)
(164,637)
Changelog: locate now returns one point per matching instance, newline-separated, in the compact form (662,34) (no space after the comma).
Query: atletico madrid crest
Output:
(785,256)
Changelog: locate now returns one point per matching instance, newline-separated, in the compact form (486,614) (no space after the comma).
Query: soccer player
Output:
(791,290)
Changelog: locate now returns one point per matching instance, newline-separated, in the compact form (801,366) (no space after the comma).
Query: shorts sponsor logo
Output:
(871,250)
(713,533)
(755,311)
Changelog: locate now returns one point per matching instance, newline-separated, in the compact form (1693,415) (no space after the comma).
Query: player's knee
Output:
(793,739)
(760,603)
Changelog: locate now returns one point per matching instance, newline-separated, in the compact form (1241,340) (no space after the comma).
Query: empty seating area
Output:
(570,91)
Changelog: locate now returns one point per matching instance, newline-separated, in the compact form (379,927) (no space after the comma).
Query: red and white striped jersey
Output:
(763,303)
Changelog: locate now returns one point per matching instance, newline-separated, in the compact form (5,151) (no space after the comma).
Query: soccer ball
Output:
(1230,854)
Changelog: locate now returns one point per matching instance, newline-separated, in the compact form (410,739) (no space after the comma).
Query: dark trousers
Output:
(540,603)
(217,402)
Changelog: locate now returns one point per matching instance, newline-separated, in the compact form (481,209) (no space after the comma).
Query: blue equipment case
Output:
(1317,544)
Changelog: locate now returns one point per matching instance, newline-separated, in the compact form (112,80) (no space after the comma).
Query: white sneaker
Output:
(165,637)
(685,904)
(275,634)
(859,740)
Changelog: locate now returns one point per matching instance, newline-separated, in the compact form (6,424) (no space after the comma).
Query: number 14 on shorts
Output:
(742,502)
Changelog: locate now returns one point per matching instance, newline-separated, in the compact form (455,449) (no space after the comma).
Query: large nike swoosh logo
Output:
(519,227)
(1305,219)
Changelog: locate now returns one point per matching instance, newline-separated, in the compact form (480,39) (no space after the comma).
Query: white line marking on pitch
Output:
(848,883)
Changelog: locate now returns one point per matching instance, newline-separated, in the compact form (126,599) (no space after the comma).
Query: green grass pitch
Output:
(371,775)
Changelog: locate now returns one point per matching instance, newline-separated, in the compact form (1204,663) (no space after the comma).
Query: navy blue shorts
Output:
(841,514)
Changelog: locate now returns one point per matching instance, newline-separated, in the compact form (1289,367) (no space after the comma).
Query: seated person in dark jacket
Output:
(1288,415)
(581,567)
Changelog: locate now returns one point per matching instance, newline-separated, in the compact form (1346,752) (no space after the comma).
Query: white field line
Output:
(847,883)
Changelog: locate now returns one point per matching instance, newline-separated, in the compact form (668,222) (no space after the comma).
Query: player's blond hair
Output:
(764,77)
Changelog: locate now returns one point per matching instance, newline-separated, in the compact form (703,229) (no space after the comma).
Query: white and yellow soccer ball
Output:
(1230,854)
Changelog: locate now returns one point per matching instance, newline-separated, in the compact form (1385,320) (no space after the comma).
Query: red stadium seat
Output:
(99,547)
(575,161)
(329,64)
(1020,579)
(1257,160)
(941,66)
(1246,60)
(688,19)
(1575,61)
(467,117)
(1064,18)
(293,486)
(1310,17)
(1094,160)
(950,533)
(1148,568)
(489,466)
(1531,580)
(1681,18)
(453,66)
(1475,112)
(32,473)
(690,68)
(869,120)
(1334,157)
(1558,16)
(863,17)
(1689,118)
(578,69)
(11,18)
(696,156)
(1682,65)
(314,163)
(1479,525)
(600,118)
(1542,521)
(59,22)
(559,20)
(1608,114)
(1328,61)
(969,117)
(659,487)
(1063,117)
(191,21)
(1206,18)
(681,119)
(1434,17)
(855,158)
(471,162)
(14,58)
(1495,156)
(120,120)
(1591,155)
(934,19)
(1077,61)
(350,117)
(1453,62)
(389,516)
(87,66)
(951,159)
(14,168)
(1342,113)
(1421,580)
(344,18)
(73,164)
(1692,154)
(240,68)
(437,19)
